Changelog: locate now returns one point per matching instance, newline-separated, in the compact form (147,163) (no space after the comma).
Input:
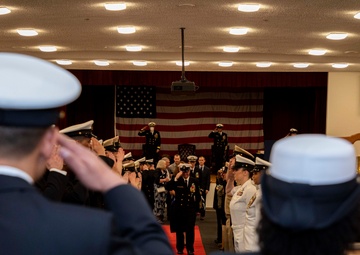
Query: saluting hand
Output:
(179,174)
(97,146)
(55,161)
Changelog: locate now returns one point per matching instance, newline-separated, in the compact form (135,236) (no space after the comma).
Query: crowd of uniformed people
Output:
(309,198)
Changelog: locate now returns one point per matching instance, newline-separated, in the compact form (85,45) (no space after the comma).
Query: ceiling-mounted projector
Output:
(183,87)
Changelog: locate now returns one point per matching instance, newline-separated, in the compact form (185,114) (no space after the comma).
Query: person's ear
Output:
(48,141)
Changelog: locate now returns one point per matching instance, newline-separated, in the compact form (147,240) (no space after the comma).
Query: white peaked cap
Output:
(127,155)
(262,162)
(32,83)
(184,165)
(78,127)
(143,159)
(241,159)
(313,159)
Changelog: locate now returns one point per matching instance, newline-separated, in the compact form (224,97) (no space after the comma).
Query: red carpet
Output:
(198,245)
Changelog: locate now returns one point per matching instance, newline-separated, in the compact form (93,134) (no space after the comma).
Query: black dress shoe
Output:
(180,252)
(190,252)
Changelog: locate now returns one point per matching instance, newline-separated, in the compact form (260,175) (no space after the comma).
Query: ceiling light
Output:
(357,15)
(133,48)
(63,62)
(337,36)
(340,65)
(4,10)
(126,30)
(301,65)
(101,62)
(179,63)
(231,49)
(238,31)
(115,6)
(139,63)
(47,48)
(317,52)
(225,64)
(249,7)
(27,32)
(263,64)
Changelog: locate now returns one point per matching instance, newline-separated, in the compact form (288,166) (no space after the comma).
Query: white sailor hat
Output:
(219,125)
(192,158)
(82,129)
(261,164)
(184,167)
(152,124)
(240,151)
(311,183)
(242,162)
(150,161)
(32,90)
(112,144)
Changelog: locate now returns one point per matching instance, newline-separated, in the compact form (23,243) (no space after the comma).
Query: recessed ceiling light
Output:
(340,65)
(357,15)
(47,48)
(101,62)
(238,31)
(318,52)
(126,30)
(249,7)
(225,64)
(27,32)
(139,63)
(133,47)
(115,6)
(63,62)
(301,65)
(263,64)
(4,10)
(337,36)
(186,5)
(179,63)
(231,49)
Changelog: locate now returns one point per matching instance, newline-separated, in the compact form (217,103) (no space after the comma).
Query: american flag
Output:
(190,118)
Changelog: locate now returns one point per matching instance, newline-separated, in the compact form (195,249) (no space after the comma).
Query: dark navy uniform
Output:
(184,209)
(219,147)
(153,143)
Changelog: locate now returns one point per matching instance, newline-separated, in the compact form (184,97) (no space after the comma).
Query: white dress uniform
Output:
(252,219)
(238,207)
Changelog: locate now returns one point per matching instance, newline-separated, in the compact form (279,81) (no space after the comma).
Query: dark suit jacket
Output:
(32,224)
(205,178)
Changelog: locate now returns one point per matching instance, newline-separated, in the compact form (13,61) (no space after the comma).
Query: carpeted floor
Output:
(206,234)
(198,245)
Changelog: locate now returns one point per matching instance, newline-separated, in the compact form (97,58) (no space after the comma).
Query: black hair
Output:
(19,141)
(332,240)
